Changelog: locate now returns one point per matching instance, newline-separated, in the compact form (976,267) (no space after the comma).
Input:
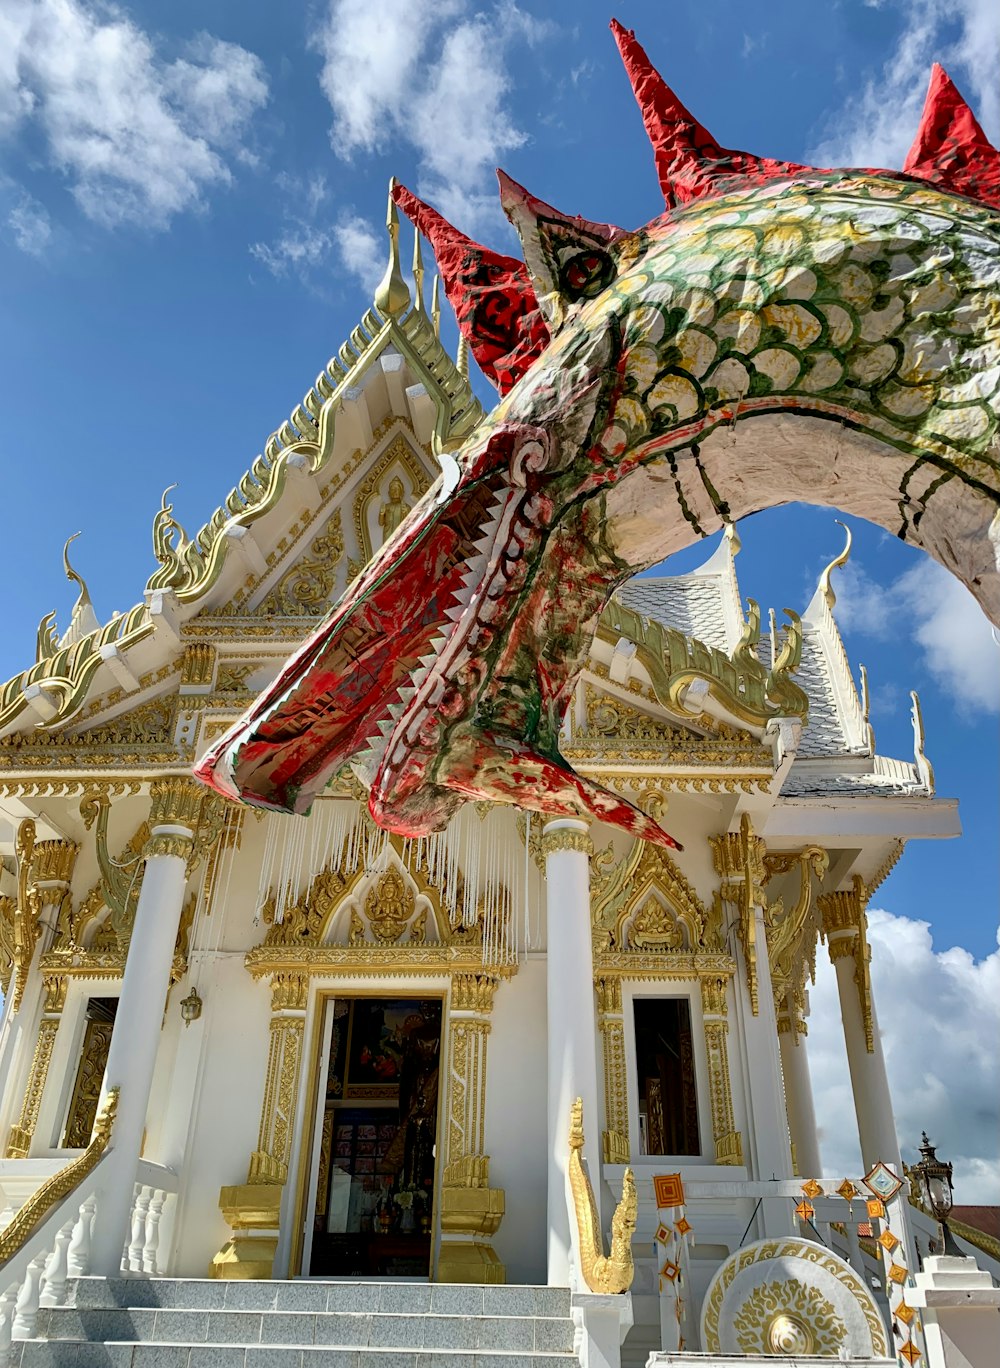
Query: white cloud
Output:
(361,251)
(939,1017)
(29,225)
(139,138)
(946,623)
(877,126)
(309,238)
(433,75)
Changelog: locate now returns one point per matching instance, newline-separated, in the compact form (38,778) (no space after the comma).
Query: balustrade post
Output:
(8,1303)
(152,1242)
(140,1208)
(26,1314)
(54,1284)
(78,1259)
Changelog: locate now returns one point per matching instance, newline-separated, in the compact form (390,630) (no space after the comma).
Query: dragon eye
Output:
(586,274)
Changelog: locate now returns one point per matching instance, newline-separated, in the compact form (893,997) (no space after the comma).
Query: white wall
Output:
(516,1130)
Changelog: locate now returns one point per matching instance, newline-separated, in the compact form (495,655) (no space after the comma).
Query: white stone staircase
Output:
(201,1323)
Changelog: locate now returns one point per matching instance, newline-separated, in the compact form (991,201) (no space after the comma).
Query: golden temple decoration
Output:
(739,862)
(392,297)
(20,1137)
(60,1185)
(89,1077)
(389,911)
(647,904)
(566,839)
(306,587)
(791,934)
(269,1162)
(728,1140)
(788,1317)
(825,587)
(740,685)
(615,1146)
(197,665)
(845,927)
(121,878)
(44,871)
(398,454)
(617,730)
(605,1273)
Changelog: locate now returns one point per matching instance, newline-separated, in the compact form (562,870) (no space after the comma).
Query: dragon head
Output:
(853,315)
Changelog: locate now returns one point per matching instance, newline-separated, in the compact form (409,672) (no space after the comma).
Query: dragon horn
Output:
(690,164)
(950,148)
(492,295)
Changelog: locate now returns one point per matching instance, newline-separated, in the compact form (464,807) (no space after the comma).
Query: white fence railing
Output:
(59,1248)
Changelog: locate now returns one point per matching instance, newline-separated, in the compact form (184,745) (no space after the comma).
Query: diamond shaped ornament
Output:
(812,1188)
(910,1352)
(883,1182)
(669,1270)
(805,1211)
(897,1273)
(875,1207)
(668,1190)
(663,1233)
(847,1190)
(682,1227)
(888,1241)
(904,1313)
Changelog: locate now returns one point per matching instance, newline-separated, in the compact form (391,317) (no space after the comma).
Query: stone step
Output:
(208,1294)
(37,1353)
(339,1329)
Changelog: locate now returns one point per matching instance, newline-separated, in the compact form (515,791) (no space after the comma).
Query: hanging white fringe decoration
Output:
(474,863)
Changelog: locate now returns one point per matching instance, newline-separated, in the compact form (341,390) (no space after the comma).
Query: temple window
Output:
(665,1071)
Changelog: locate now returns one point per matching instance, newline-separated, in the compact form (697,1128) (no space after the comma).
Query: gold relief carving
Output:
(604,1273)
(791,935)
(398,452)
(615,1138)
(473,992)
(788,1317)
(303,923)
(394,510)
(269,1162)
(197,664)
(120,881)
(53,861)
(609,996)
(8,907)
(616,728)
(728,1141)
(232,676)
(845,926)
(55,994)
(162,844)
(389,907)
(739,861)
(24,926)
(566,839)
(19,1141)
(289,992)
(175,801)
(624,920)
(306,588)
(87,1088)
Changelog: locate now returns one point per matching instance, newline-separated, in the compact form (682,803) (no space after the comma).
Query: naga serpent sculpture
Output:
(779,333)
(601,1272)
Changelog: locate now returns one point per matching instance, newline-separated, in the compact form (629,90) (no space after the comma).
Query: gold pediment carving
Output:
(646,905)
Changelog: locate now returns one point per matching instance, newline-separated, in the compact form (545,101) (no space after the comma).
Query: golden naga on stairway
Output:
(601,1272)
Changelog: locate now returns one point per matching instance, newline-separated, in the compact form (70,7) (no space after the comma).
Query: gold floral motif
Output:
(728,1141)
(739,861)
(566,839)
(19,1140)
(307,585)
(649,875)
(788,1317)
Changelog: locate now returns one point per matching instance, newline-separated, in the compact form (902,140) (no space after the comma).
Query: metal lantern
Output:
(191,1007)
(935,1178)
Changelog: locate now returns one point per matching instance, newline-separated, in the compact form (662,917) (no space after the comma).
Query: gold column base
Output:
(729,1149)
(474,1213)
(18,1143)
(466,1261)
(253,1210)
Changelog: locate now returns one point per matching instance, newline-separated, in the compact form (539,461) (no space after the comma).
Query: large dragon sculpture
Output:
(779,333)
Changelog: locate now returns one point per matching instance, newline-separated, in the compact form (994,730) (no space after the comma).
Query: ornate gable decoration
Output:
(646,904)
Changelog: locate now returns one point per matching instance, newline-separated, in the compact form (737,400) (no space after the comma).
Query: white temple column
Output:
(572,1034)
(845,926)
(798,1091)
(136,1036)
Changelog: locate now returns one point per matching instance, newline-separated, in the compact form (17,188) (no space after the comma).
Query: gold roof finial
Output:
(436,307)
(732,536)
(418,272)
(924,767)
(392,296)
(72,575)
(825,587)
(462,357)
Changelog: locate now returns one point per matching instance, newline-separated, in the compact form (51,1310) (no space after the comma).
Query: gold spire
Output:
(418,272)
(732,536)
(392,296)
(462,357)
(825,587)
(436,307)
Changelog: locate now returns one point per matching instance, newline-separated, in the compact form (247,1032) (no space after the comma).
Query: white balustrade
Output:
(60,1249)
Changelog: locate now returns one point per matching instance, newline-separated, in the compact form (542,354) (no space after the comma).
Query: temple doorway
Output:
(374,1168)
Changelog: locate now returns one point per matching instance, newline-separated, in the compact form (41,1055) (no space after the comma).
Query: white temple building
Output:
(342,1056)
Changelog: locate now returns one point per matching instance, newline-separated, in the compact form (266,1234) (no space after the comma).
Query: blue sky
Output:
(191,201)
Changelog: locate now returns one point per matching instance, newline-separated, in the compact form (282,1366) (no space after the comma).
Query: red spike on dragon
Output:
(780,333)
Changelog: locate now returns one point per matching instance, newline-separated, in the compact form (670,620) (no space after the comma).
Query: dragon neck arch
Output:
(779,334)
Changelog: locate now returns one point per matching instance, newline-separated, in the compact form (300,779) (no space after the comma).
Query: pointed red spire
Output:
(491,294)
(950,148)
(689,162)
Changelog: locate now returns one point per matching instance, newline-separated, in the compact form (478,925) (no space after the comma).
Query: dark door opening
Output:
(375,1184)
(668,1099)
